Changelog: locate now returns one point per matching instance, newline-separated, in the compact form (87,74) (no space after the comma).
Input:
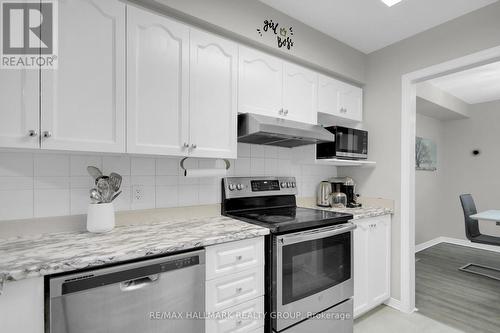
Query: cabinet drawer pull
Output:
(239,258)
(239,290)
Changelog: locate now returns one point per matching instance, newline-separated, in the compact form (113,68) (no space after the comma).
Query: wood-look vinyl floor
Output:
(468,302)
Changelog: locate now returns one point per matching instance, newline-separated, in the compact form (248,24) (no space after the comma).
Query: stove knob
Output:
(232,187)
(239,187)
(283,185)
(293,184)
(289,184)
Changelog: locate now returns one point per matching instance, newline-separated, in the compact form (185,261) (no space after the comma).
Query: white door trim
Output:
(408,131)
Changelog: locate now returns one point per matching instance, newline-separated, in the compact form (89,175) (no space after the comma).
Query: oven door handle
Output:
(315,234)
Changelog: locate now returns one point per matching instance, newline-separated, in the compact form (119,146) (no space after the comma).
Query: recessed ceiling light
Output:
(391,3)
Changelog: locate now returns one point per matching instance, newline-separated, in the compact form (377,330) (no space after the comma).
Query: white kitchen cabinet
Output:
(83,101)
(22,306)
(260,83)
(212,96)
(235,284)
(372,263)
(339,100)
(157,85)
(19,108)
(300,91)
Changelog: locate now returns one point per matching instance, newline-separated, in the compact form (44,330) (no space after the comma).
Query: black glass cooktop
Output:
(291,218)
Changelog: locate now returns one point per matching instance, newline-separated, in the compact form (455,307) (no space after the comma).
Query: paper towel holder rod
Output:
(228,164)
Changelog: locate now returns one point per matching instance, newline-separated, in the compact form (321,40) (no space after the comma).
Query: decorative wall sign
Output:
(425,154)
(284,36)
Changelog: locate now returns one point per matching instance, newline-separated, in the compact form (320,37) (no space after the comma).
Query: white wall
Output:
(45,184)
(429,184)
(465,173)
(239,19)
(471,33)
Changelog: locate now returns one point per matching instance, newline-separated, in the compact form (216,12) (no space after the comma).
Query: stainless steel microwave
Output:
(350,143)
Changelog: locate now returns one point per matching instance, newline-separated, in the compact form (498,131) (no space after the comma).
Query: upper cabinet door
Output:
(351,102)
(339,99)
(300,93)
(329,96)
(260,83)
(83,101)
(19,109)
(213,88)
(157,84)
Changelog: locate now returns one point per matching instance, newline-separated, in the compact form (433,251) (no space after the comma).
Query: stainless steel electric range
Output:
(309,261)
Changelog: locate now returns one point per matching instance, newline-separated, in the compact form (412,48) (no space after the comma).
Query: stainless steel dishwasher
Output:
(152,296)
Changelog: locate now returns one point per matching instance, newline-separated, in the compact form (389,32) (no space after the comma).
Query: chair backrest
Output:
(469,207)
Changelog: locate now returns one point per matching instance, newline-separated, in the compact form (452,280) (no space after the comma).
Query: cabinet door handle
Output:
(47,134)
(239,290)
(286,112)
(194,146)
(33,133)
(239,258)
(186,145)
(281,111)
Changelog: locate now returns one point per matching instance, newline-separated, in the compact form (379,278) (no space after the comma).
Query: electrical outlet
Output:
(138,193)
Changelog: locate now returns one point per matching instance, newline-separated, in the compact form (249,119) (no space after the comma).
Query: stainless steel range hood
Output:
(263,130)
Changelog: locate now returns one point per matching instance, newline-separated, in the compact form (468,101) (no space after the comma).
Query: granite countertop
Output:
(359,213)
(34,256)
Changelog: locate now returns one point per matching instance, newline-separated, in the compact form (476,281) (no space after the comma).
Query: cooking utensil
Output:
(104,189)
(115,196)
(94,172)
(115,180)
(94,195)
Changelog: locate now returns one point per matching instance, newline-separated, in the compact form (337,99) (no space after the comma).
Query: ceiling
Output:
(369,25)
(473,86)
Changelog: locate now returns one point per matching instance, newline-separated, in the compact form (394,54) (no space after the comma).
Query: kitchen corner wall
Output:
(42,184)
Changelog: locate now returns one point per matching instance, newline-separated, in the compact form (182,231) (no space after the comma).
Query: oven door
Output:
(314,271)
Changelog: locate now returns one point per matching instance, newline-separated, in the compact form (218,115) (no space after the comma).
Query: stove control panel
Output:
(240,187)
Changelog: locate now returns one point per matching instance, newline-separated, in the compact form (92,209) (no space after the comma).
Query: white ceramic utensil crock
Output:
(101,217)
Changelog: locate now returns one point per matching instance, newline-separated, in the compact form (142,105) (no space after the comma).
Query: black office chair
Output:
(472,226)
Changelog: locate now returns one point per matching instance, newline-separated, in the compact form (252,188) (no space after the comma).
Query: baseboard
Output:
(456,241)
(393,303)
(425,245)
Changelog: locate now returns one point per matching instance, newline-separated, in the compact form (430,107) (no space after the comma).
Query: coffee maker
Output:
(348,187)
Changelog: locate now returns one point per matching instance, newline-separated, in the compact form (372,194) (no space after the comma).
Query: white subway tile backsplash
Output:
(79,164)
(51,165)
(188,195)
(80,200)
(258,166)
(167,166)
(52,202)
(143,166)
(16,183)
(244,150)
(271,167)
(123,201)
(142,180)
(167,196)
(118,164)
(16,164)
(167,180)
(47,184)
(52,183)
(257,151)
(16,204)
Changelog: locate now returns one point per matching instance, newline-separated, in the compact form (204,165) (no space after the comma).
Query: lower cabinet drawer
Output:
(234,289)
(244,318)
